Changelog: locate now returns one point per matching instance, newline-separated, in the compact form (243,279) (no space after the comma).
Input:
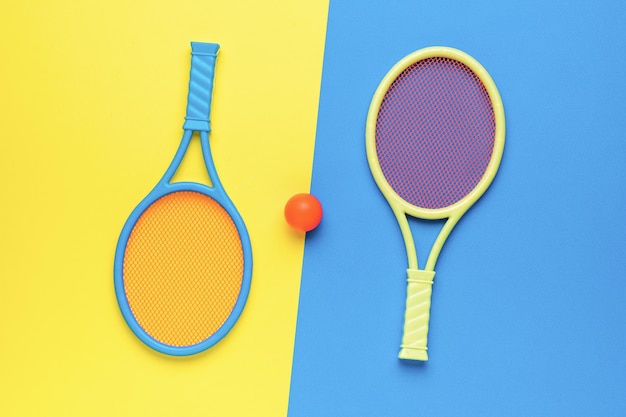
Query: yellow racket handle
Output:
(417,315)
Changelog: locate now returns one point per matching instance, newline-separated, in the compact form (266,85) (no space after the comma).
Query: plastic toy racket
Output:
(183,262)
(435,136)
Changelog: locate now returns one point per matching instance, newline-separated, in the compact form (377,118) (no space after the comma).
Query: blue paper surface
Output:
(528,311)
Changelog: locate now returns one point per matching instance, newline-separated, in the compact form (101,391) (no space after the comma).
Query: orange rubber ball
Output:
(303,212)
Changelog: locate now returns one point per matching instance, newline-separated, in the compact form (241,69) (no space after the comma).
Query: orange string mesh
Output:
(183,268)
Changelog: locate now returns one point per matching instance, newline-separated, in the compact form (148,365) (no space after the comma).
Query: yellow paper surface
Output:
(92,101)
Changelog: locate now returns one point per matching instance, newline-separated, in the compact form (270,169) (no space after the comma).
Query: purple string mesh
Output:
(435,133)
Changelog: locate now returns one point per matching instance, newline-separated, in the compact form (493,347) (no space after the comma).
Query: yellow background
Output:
(92,100)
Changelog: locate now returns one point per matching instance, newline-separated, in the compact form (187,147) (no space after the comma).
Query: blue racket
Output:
(183,262)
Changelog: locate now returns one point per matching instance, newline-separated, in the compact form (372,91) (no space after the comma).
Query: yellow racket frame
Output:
(417,315)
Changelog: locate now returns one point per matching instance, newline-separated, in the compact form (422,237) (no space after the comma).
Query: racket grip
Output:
(417,315)
(203,57)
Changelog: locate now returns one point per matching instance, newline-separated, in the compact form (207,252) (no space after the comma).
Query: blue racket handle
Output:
(203,57)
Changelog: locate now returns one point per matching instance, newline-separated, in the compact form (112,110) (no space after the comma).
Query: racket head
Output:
(435,133)
(183,268)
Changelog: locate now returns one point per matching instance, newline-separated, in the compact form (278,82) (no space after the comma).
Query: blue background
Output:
(528,314)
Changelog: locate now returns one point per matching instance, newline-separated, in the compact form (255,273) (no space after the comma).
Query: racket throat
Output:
(189,163)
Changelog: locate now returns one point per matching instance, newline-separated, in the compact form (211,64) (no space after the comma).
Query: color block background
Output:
(528,310)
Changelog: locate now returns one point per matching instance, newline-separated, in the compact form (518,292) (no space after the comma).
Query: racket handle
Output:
(417,315)
(203,57)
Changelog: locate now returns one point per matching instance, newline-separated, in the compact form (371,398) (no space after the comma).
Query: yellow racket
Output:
(434,138)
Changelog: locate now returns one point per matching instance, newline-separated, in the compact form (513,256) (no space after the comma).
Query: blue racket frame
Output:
(203,60)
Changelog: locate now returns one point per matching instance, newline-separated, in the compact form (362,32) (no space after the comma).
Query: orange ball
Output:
(303,212)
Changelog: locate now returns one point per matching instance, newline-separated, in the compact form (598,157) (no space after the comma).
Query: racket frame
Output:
(453,213)
(164,187)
